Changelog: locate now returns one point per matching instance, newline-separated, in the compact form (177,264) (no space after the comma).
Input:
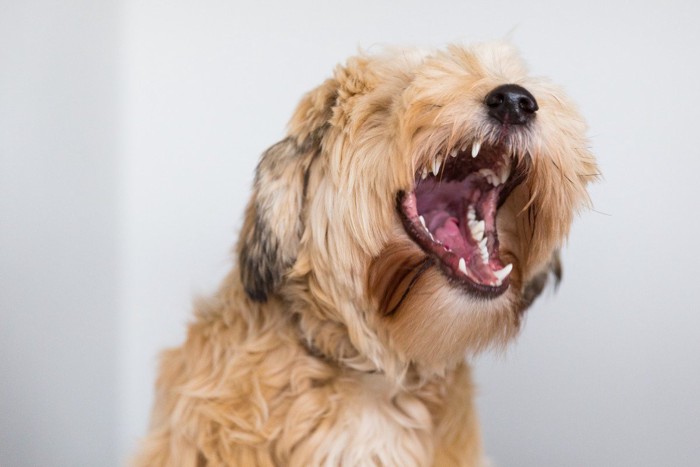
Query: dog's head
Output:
(418,204)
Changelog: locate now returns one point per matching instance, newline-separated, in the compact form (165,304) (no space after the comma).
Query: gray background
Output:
(129,130)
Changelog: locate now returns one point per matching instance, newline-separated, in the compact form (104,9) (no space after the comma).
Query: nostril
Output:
(527,104)
(495,100)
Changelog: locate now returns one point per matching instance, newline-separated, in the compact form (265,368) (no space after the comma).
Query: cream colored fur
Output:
(295,361)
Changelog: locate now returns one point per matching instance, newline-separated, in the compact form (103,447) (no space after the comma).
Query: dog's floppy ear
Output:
(272,227)
(273,223)
(536,285)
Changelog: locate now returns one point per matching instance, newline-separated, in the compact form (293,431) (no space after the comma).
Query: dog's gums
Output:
(451,214)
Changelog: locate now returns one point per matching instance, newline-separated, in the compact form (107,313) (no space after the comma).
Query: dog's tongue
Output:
(448,233)
(447,230)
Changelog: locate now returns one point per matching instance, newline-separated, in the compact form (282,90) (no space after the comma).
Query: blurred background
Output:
(129,131)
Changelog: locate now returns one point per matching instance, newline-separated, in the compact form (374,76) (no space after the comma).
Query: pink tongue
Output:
(450,235)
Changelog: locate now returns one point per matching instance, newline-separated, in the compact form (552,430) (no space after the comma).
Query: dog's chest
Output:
(367,422)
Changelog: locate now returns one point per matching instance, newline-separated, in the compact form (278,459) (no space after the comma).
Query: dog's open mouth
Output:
(451,214)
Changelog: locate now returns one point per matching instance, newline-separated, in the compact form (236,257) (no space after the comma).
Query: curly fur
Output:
(336,340)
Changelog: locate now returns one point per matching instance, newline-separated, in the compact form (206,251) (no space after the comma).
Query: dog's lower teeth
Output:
(463,266)
(471,213)
(501,274)
(477,229)
(484,256)
(484,250)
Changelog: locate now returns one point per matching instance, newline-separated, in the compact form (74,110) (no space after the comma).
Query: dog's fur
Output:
(335,341)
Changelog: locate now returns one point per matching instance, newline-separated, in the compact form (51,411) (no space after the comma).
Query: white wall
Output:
(59,233)
(606,370)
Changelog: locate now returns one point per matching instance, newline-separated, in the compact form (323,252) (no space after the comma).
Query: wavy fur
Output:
(336,340)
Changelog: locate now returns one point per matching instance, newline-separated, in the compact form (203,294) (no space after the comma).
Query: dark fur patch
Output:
(266,253)
(394,273)
(258,261)
(261,258)
(534,288)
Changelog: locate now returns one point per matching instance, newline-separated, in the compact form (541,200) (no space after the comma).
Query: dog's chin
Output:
(428,320)
(451,215)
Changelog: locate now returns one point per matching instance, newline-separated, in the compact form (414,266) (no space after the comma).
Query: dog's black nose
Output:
(511,104)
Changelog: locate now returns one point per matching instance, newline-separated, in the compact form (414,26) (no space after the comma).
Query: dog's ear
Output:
(272,227)
(535,286)
(273,224)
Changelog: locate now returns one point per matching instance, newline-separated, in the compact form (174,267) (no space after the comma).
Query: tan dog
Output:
(412,214)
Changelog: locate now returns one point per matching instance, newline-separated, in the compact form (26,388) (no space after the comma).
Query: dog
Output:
(412,214)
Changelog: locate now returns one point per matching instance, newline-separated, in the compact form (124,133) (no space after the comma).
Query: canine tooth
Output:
(475,148)
(422,222)
(424,175)
(503,273)
(436,165)
(505,173)
(454,152)
(463,266)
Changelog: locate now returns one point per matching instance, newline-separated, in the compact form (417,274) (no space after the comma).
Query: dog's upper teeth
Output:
(437,162)
(424,175)
(463,266)
(502,274)
(477,229)
(454,152)
(464,147)
(490,176)
(505,173)
(475,148)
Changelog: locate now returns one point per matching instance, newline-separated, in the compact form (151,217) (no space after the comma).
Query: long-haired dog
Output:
(411,215)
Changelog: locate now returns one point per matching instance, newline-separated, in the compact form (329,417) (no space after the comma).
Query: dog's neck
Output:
(329,341)
(317,353)
(325,339)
